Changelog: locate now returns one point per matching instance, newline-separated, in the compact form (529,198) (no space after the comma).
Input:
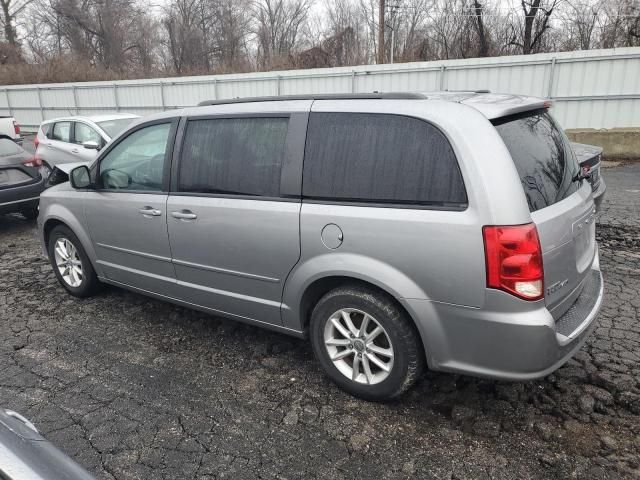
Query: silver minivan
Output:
(453,231)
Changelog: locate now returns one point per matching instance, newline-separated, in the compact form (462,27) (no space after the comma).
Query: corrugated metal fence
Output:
(597,88)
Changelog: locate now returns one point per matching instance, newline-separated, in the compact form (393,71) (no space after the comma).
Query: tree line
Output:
(76,40)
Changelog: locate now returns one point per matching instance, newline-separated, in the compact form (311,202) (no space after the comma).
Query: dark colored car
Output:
(26,455)
(22,178)
(590,160)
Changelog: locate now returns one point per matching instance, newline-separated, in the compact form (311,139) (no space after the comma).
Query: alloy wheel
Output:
(68,262)
(359,346)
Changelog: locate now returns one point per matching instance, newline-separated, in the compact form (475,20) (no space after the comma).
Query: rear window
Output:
(9,147)
(114,127)
(542,156)
(380,158)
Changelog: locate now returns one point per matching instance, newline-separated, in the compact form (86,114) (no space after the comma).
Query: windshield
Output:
(9,147)
(114,127)
(542,155)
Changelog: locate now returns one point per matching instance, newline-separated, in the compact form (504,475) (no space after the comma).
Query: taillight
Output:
(514,260)
(33,162)
(36,142)
(16,127)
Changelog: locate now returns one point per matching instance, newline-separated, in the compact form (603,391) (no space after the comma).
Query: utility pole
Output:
(393,9)
(381,32)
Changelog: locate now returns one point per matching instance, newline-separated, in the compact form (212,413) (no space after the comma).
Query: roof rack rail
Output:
(326,96)
(482,90)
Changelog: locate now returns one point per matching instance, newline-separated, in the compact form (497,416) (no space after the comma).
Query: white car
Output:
(78,139)
(10,129)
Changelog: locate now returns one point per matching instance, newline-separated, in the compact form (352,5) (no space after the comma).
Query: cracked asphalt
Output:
(134,388)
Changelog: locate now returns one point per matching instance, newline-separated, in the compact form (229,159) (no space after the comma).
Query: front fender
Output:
(73,218)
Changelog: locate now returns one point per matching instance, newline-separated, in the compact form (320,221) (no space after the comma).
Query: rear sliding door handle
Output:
(184,215)
(150,212)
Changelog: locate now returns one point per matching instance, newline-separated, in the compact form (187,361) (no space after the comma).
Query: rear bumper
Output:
(598,195)
(15,199)
(507,345)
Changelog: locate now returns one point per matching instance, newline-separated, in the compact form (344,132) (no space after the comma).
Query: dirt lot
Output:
(136,388)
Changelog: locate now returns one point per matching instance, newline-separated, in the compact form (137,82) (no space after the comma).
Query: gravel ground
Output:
(134,388)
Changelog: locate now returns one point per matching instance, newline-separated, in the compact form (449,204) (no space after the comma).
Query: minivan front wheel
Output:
(366,344)
(71,264)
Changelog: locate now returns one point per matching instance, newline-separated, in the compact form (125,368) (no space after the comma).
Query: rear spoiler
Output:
(495,106)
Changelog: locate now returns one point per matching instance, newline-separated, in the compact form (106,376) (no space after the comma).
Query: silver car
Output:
(27,455)
(453,231)
(78,139)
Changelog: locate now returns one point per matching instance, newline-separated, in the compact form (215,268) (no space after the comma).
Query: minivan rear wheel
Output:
(71,264)
(366,343)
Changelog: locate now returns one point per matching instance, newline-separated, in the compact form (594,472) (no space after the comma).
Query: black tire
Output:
(89,284)
(30,213)
(408,355)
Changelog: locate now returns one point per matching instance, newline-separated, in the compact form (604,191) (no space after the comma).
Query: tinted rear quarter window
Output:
(233,156)
(542,156)
(46,129)
(380,158)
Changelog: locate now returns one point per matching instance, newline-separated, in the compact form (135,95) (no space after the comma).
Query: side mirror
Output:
(80,177)
(91,145)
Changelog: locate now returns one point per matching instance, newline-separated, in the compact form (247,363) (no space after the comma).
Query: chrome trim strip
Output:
(188,264)
(171,280)
(20,201)
(227,293)
(228,272)
(134,252)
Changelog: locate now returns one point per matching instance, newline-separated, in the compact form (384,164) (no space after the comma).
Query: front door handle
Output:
(75,150)
(150,212)
(184,215)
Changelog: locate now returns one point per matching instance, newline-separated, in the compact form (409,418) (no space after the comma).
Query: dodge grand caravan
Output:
(453,231)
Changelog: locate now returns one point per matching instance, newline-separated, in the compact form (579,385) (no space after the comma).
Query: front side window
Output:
(62,132)
(84,133)
(379,158)
(137,162)
(233,156)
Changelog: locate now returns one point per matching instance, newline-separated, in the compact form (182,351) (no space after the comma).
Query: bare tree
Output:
(620,23)
(10,10)
(278,27)
(479,24)
(529,35)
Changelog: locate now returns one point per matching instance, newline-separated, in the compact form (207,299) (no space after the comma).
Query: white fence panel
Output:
(597,88)
(100,97)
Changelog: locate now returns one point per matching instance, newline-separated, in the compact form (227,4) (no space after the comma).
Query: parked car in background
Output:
(453,230)
(27,455)
(590,160)
(10,128)
(22,178)
(74,139)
